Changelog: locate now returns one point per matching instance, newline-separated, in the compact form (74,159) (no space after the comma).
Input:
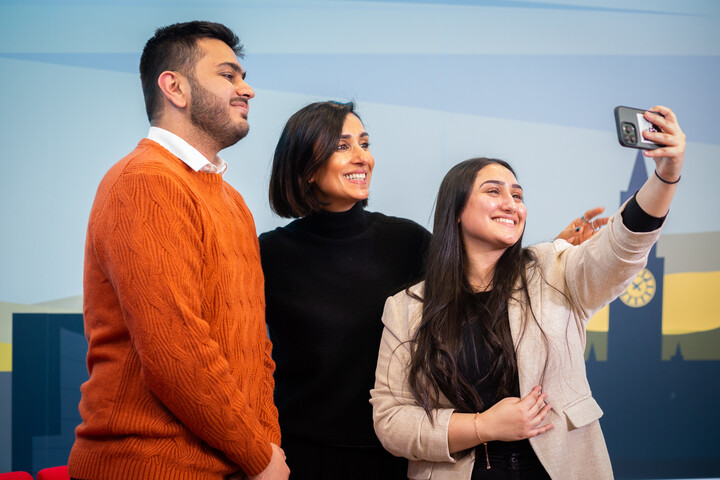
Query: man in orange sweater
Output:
(181,378)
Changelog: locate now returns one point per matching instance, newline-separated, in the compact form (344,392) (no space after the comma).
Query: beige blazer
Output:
(567,286)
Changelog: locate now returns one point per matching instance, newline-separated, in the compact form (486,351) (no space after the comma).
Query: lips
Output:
(241,104)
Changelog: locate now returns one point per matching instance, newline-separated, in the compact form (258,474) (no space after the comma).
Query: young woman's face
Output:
(345,179)
(494,216)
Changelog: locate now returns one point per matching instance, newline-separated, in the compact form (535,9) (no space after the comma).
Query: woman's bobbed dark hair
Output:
(306,144)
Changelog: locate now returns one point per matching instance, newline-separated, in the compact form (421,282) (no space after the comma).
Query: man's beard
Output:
(210,114)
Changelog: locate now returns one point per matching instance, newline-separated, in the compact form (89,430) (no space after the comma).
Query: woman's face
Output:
(494,216)
(345,178)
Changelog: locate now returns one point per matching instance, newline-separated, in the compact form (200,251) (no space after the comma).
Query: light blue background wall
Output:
(532,82)
(436,82)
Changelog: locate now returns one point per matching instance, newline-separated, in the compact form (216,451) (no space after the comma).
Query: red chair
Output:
(16,476)
(53,473)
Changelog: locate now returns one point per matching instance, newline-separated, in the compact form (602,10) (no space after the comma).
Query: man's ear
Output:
(175,88)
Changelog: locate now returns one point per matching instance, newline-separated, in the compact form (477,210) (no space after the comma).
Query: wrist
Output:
(667,180)
(668,172)
(481,431)
(482,440)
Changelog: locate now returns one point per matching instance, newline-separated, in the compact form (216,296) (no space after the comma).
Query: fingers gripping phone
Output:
(630,123)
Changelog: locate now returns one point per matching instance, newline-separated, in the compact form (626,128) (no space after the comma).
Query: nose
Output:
(361,156)
(508,202)
(244,90)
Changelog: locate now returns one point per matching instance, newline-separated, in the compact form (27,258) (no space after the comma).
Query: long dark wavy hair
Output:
(436,350)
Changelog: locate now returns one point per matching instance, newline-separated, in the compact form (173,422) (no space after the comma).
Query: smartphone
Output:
(629,123)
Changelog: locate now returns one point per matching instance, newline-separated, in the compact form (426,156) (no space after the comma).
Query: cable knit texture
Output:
(180,369)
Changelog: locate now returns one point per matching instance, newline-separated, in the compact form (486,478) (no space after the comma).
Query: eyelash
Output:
(495,191)
(344,146)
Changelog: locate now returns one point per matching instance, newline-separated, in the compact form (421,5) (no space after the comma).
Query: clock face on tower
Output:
(640,291)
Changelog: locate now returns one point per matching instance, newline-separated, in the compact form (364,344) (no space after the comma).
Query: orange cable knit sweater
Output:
(181,382)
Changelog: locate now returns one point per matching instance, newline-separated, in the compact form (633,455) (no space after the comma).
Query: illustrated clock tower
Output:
(635,328)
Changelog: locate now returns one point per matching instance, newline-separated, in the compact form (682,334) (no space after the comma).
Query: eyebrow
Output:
(498,182)
(347,135)
(235,67)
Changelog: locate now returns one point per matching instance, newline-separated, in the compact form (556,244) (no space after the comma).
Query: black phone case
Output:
(625,121)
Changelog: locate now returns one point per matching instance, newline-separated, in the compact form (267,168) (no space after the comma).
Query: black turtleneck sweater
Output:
(327,277)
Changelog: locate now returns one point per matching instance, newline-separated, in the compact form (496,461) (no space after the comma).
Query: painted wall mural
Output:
(533,82)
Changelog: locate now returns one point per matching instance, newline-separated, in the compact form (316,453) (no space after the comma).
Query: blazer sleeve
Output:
(402,426)
(597,271)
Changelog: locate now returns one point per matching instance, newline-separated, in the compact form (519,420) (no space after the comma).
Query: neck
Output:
(191,134)
(480,268)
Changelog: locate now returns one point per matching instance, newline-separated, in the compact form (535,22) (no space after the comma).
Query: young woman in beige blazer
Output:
(484,360)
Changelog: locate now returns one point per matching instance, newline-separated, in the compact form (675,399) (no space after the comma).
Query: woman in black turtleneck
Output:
(327,276)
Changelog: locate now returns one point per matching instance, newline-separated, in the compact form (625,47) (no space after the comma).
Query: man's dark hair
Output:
(175,48)
(309,139)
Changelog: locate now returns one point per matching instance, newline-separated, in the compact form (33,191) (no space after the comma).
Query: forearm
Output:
(464,432)
(655,196)
(508,420)
(268,410)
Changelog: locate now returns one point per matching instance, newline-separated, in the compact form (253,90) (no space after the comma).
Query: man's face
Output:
(219,95)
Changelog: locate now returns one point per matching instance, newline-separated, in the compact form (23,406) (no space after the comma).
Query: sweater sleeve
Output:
(597,271)
(402,426)
(269,413)
(149,237)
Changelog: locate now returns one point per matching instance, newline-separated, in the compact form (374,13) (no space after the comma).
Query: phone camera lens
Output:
(629,134)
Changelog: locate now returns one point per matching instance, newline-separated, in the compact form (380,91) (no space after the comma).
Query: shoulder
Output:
(410,295)
(549,261)
(279,234)
(544,252)
(397,223)
(399,231)
(148,165)
(403,310)
(148,169)
(150,158)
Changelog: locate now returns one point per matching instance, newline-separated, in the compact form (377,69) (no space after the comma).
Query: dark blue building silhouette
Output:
(661,417)
(49,366)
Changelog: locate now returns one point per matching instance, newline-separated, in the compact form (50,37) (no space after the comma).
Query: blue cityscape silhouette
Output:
(661,417)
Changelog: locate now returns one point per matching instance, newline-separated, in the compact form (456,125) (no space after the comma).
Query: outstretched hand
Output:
(584,227)
(669,158)
(515,418)
(656,195)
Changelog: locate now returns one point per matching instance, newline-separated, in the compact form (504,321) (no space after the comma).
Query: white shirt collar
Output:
(186,152)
